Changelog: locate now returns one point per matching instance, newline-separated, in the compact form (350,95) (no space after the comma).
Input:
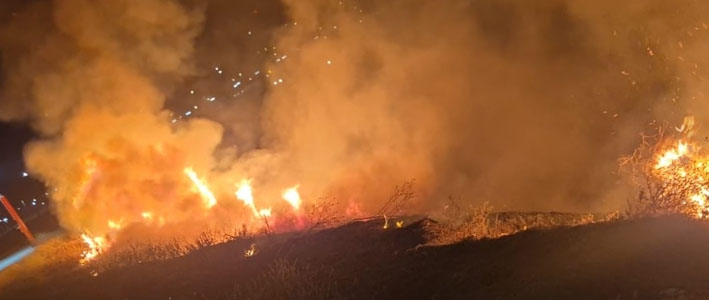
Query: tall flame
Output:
(245,194)
(292,197)
(209,199)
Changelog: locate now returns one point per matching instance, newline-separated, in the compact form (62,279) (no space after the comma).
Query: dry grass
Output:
(290,280)
(141,250)
(480,222)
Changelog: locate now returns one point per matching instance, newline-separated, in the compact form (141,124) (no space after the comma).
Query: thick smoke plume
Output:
(93,86)
(527,105)
(523,104)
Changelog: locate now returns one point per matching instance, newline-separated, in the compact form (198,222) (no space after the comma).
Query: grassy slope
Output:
(652,258)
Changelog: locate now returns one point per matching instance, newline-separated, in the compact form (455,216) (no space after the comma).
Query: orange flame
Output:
(207,196)
(672,155)
(245,194)
(292,197)
(683,170)
(97,245)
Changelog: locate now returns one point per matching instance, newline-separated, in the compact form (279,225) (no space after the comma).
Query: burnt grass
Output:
(653,258)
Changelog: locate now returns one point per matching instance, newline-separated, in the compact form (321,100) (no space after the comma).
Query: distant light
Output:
(237,84)
(24,174)
(192,92)
(189,112)
(329,62)
(5,220)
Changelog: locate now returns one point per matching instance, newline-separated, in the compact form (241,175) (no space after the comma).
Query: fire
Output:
(204,191)
(97,245)
(672,155)
(251,251)
(245,194)
(147,215)
(115,224)
(683,171)
(399,224)
(266,212)
(292,197)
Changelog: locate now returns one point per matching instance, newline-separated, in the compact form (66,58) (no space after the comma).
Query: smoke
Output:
(92,82)
(525,105)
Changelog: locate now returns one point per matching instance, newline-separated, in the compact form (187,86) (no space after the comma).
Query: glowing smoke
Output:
(526,105)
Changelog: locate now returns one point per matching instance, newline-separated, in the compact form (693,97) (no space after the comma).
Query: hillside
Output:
(657,258)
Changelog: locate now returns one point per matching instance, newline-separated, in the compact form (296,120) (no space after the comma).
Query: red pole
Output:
(18,220)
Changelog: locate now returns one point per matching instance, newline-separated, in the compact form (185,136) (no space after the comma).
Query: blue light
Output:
(16,257)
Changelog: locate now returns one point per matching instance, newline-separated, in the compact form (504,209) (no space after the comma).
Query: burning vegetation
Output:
(166,127)
(670,170)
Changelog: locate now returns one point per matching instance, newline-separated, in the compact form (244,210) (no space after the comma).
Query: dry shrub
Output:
(290,280)
(661,192)
(402,195)
(324,213)
(479,222)
(460,224)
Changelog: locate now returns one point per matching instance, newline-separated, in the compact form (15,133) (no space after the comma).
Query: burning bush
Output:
(671,173)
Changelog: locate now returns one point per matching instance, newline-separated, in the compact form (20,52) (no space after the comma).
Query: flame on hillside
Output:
(677,175)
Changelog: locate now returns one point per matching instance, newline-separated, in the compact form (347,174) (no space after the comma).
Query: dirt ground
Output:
(656,258)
